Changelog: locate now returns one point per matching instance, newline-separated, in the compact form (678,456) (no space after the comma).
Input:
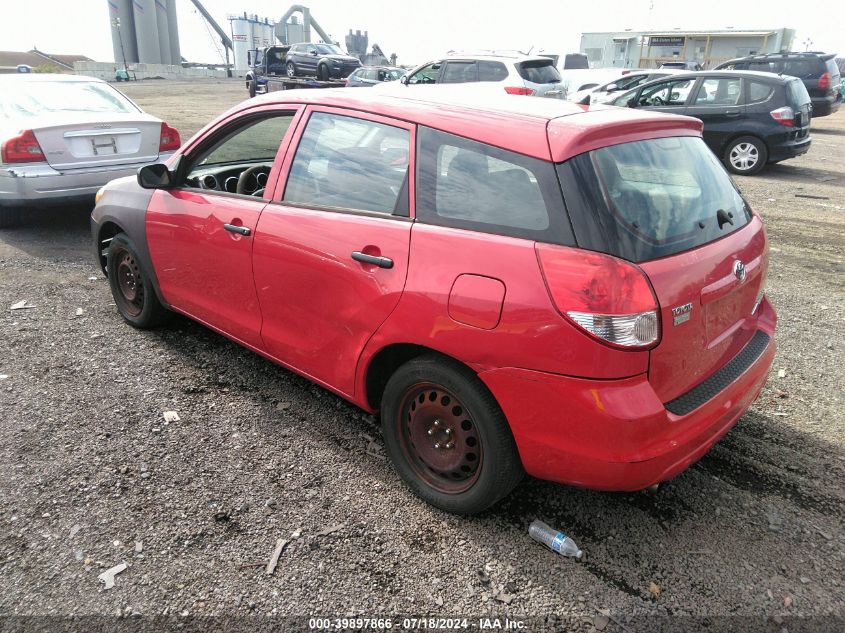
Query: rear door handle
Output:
(381,262)
(733,113)
(242,230)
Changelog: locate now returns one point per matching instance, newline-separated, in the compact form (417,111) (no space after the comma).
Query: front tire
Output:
(323,72)
(746,155)
(253,87)
(447,437)
(9,217)
(131,286)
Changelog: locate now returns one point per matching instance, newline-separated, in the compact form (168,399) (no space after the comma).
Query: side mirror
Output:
(612,88)
(632,102)
(156,176)
(314,53)
(403,79)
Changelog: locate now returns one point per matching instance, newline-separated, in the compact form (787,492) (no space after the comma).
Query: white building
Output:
(649,49)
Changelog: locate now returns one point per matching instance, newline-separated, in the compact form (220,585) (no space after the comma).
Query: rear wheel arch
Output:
(390,358)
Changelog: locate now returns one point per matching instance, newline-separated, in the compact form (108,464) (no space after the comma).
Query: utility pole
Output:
(116,23)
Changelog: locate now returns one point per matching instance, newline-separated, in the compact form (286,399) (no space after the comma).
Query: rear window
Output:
(650,199)
(796,93)
(29,99)
(540,71)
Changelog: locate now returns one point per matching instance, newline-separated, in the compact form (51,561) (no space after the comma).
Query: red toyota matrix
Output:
(516,285)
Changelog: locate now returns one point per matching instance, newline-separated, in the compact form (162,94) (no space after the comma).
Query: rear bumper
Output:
(826,105)
(617,434)
(789,149)
(41,185)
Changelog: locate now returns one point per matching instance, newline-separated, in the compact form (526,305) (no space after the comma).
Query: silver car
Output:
(515,73)
(62,137)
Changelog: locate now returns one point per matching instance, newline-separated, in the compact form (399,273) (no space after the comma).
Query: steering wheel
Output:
(252,173)
(658,100)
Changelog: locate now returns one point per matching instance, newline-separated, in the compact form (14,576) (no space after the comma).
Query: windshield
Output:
(37,98)
(541,71)
(650,199)
(328,49)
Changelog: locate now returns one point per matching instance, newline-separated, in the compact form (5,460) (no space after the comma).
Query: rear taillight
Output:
(23,148)
(169,139)
(608,298)
(784,116)
(519,90)
(824,82)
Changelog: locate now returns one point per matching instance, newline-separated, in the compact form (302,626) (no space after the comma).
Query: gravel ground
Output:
(91,475)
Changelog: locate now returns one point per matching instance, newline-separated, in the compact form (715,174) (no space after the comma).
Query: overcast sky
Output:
(417,30)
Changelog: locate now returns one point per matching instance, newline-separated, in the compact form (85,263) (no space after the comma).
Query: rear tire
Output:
(290,69)
(745,155)
(131,286)
(323,72)
(253,87)
(447,437)
(9,217)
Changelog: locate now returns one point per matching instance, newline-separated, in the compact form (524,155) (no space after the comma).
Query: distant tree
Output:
(47,68)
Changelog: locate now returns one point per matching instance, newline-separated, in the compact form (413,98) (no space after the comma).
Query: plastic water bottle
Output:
(554,540)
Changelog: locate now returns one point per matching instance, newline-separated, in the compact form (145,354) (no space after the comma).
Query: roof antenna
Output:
(529,50)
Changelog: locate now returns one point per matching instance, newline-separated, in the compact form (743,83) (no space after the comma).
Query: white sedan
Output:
(62,137)
(611,89)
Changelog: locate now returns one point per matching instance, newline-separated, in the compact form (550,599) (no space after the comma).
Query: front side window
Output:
(249,147)
(471,185)
(648,199)
(426,75)
(719,92)
(668,93)
(348,163)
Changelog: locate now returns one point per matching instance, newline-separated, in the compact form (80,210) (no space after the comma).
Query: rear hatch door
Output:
(541,76)
(669,206)
(799,100)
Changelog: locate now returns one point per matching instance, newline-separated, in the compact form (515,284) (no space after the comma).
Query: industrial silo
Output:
(120,16)
(173,33)
(163,26)
(255,27)
(241,42)
(146,31)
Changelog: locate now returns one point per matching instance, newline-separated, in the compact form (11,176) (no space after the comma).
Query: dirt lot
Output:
(88,468)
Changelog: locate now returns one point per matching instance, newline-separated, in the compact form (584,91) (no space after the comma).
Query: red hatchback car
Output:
(516,285)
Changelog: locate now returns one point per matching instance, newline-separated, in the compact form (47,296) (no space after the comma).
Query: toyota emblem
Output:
(739,270)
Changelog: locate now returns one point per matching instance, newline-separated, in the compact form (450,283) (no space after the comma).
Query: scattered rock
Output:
(781,373)
(655,590)
(171,416)
(331,530)
(600,622)
(21,305)
(74,530)
(274,558)
(139,547)
(80,312)
(787,601)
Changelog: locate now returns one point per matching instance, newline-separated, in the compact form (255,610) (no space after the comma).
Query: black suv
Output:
(750,118)
(818,71)
(324,61)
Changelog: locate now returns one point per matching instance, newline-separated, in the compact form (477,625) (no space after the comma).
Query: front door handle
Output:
(733,113)
(232,228)
(381,262)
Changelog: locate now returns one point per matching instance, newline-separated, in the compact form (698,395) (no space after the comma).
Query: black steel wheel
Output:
(131,287)
(447,437)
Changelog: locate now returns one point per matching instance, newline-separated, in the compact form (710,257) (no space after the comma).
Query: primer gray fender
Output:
(125,203)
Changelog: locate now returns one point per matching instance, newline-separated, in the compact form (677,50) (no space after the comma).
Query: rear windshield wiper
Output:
(724,217)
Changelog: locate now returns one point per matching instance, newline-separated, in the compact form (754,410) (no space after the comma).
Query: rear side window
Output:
(759,91)
(470,185)
(649,199)
(832,68)
(805,68)
(491,71)
(719,92)
(350,163)
(760,66)
(540,71)
(459,73)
